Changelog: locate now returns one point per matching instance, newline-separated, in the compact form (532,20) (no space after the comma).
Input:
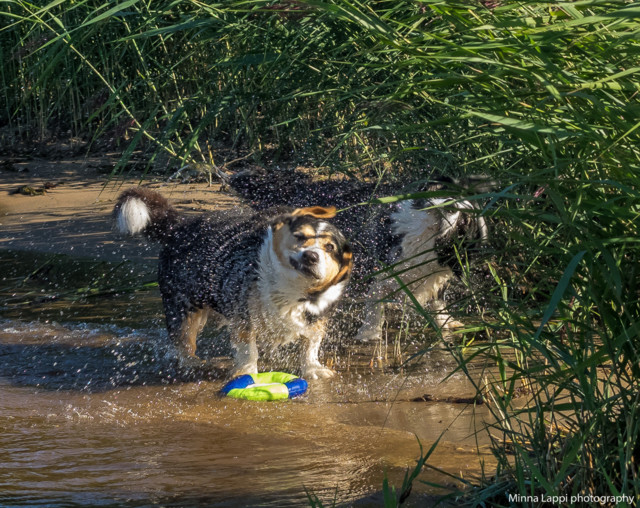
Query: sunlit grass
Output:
(339,84)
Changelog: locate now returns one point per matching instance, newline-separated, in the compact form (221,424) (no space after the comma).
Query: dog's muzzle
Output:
(308,263)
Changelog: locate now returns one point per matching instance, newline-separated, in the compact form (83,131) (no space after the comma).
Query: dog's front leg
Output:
(442,318)
(245,360)
(311,366)
(371,328)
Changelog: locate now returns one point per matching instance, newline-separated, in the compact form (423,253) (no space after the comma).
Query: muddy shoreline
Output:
(70,212)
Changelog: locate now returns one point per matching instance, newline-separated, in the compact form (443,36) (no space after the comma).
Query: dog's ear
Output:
(347,264)
(319,212)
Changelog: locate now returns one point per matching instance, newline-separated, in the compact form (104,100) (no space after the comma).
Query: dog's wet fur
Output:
(272,275)
(415,236)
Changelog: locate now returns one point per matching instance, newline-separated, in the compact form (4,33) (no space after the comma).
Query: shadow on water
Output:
(89,368)
(97,348)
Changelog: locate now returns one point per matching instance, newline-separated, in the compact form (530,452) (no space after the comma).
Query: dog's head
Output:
(305,241)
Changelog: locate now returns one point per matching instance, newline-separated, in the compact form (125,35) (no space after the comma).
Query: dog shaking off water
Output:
(273,276)
(407,236)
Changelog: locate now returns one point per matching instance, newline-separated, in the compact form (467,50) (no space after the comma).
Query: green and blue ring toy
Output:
(265,386)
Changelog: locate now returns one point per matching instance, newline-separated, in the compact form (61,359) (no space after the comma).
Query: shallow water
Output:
(95,412)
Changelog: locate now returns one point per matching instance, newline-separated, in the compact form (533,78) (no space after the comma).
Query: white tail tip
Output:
(133,216)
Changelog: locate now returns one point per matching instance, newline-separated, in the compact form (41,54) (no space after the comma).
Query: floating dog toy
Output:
(265,386)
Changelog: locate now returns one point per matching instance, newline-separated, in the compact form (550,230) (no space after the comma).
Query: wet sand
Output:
(74,217)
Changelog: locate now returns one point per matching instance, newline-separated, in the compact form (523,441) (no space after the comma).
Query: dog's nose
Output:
(310,257)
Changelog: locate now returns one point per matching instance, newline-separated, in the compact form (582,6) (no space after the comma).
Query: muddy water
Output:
(93,411)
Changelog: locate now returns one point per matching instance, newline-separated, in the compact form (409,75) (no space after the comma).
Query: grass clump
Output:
(569,343)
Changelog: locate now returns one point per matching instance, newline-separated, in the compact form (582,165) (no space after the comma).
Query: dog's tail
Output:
(143,211)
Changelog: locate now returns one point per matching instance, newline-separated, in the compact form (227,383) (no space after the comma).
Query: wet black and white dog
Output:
(272,275)
(405,239)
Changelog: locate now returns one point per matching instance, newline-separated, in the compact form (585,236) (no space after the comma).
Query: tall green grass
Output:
(542,97)
(565,330)
(341,84)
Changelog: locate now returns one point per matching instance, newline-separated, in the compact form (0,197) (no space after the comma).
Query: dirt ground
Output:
(73,214)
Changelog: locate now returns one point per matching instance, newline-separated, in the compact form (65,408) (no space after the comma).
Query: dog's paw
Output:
(186,361)
(241,370)
(318,372)
(367,334)
(452,324)
(190,368)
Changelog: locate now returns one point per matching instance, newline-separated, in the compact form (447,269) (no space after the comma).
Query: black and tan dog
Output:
(272,275)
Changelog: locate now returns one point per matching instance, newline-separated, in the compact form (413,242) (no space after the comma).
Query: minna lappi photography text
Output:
(619,500)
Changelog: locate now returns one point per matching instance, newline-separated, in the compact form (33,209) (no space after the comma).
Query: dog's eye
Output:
(299,236)
(329,247)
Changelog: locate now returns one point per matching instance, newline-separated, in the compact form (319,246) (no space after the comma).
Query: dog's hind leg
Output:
(442,318)
(371,328)
(184,331)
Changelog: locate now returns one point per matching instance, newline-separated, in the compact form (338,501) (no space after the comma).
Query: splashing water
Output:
(94,410)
